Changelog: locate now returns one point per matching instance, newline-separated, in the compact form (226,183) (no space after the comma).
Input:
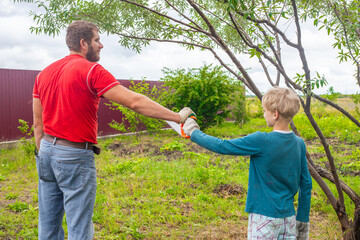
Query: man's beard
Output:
(91,55)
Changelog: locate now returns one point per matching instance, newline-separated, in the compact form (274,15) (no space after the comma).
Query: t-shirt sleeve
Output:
(245,146)
(35,89)
(100,80)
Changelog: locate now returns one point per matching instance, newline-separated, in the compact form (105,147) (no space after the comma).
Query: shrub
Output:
(28,145)
(136,121)
(208,91)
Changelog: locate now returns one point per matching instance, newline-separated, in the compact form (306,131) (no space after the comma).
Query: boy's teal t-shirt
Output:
(278,170)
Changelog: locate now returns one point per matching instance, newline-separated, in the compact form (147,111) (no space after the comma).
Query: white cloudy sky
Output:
(19,49)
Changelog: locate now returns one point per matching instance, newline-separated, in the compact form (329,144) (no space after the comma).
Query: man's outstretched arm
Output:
(144,105)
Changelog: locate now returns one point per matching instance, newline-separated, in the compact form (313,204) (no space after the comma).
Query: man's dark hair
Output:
(78,30)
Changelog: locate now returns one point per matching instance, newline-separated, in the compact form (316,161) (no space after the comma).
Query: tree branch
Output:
(182,14)
(254,88)
(166,16)
(347,42)
(330,158)
(334,105)
(272,26)
(162,40)
(211,13)
(229,69)
(351,193)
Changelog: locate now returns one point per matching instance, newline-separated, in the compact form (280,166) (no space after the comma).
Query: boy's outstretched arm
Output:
(240,146)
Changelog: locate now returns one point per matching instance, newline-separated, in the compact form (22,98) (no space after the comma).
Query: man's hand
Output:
(185,113)
(302,230)
(190,126)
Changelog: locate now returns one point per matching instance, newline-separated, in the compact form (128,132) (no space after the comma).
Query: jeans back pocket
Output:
(70,173)
(44,168)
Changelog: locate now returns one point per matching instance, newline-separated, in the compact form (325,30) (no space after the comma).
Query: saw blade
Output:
(174,126)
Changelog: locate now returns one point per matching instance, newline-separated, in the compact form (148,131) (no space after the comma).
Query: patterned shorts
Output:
(268,228)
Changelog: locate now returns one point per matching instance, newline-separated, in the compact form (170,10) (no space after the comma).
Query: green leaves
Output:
(233,4)
(206,90)
(318,82)
(253,52)
(132,121)
(27,145)
(232,26)
(174,145)
(310,84)
(18,206)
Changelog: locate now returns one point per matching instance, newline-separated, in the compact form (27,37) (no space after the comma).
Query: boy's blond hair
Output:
(284,100)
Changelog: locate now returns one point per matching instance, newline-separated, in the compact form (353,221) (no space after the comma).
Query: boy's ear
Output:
(276,114)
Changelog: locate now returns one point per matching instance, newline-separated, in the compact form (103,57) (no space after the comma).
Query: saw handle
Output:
(181,127)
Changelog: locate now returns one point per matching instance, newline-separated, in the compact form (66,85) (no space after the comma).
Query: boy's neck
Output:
(282,129)
(281,125)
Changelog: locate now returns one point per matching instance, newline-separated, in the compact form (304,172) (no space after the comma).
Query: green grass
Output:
(331,126)
(155,195)
(169,187)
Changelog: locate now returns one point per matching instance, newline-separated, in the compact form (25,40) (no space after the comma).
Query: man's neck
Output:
(77,53)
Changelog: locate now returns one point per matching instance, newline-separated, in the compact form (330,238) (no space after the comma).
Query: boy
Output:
(278,169)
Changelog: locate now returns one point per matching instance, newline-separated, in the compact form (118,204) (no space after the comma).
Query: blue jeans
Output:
(67,183)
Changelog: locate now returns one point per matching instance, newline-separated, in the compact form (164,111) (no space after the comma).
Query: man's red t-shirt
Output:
(69,91)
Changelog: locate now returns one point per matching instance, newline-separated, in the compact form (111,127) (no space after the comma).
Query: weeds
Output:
(174,145)
(11,196)
(2,178)
(18,206)
(28,145)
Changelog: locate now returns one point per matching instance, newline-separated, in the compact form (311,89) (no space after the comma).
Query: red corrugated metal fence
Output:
(16,103)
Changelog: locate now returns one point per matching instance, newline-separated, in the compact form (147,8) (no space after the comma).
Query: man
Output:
(66,96)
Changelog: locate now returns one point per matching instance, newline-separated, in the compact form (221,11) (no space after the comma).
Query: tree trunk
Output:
(357,223)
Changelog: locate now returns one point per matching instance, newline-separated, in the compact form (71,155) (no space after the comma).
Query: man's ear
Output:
(83,44)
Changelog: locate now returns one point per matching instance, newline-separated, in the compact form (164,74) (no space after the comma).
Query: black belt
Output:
(64,142)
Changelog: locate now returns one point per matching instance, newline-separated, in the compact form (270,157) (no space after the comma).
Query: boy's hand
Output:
(302,230)
(190,126)
(185,113)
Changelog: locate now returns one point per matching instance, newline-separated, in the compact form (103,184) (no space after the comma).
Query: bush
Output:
(208,91)
(27,145)
(137,121)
